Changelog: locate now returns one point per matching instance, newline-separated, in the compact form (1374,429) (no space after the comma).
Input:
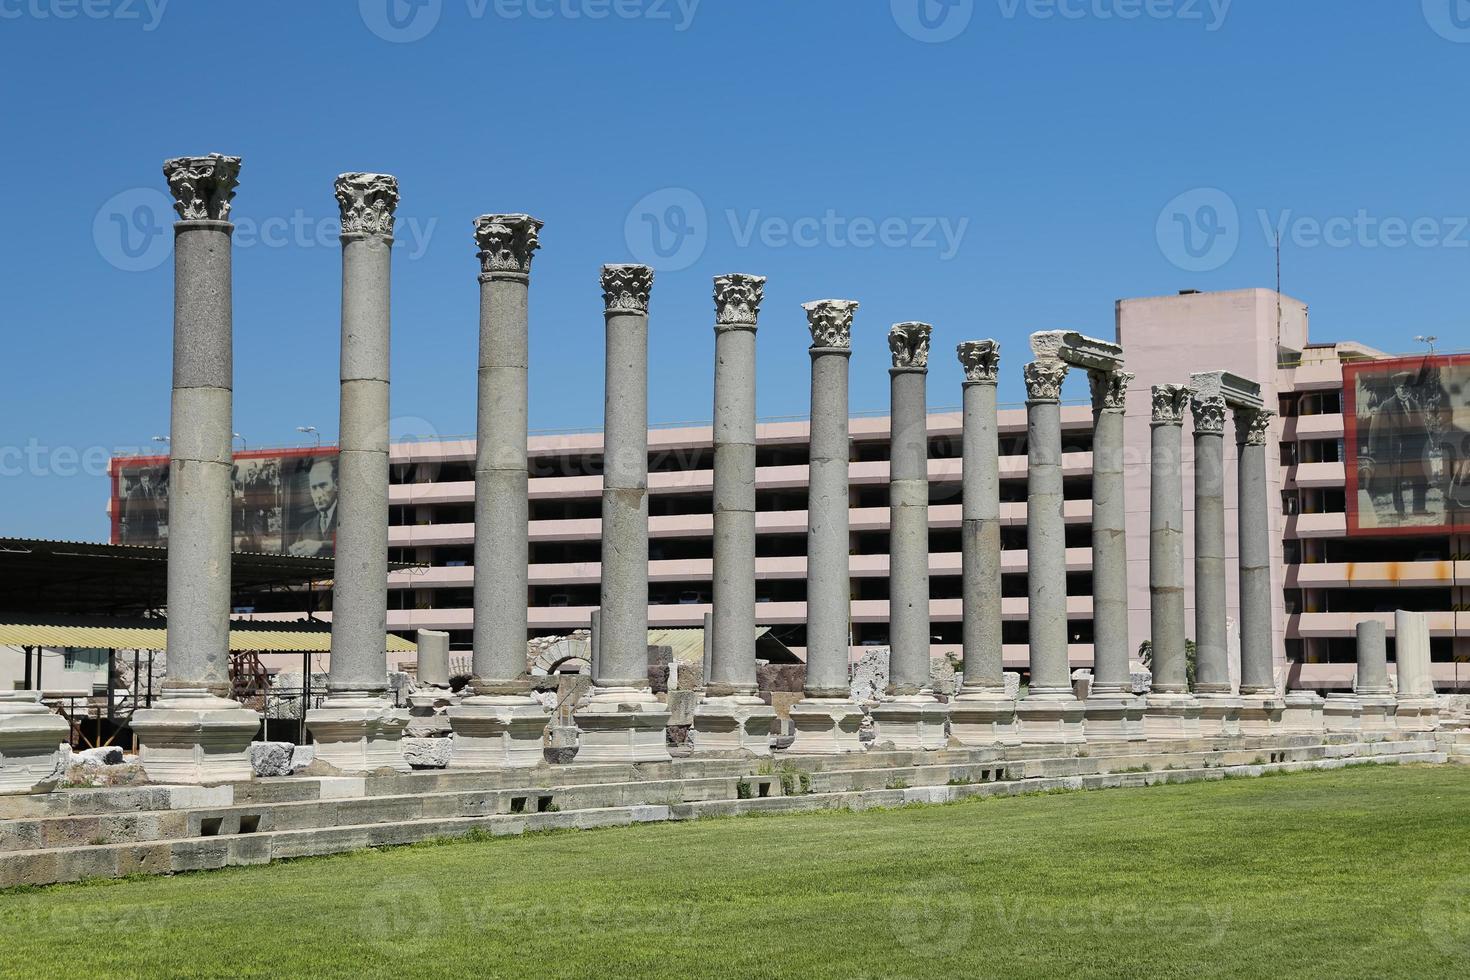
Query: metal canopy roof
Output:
(59,577)
(78,632)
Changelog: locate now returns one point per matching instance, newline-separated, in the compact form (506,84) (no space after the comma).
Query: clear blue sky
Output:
(1048,136)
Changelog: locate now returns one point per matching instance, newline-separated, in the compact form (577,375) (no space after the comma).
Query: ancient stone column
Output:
(358,728)
(1171,711)
(827,719)
(431,696)
(1261,702)
(1377,704)
(1113,711)
(731,717)
(981,714)
(1050,712)
(1417,709)
(1219,709)
(910,717)
(502,725)
(621,720)
(195,733)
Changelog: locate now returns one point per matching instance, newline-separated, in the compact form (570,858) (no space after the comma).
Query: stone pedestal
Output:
(30,740)
(913,721)
(1219,714)
(626,725)
(359,733)
(1342,713)
(498,732)
(983,718)
(1113,717)
(825,726)
(1050,719)
(1419,714)
(1260,714)
(1302,713)
(738,723)
(1171,716)
(195,738)
(1418,708)
(1379,713)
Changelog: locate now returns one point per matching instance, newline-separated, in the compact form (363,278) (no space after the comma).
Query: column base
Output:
(825,726)
(1302,714)
(30,744)
(359,734)
(498,732)
(1219,715)
(1417,714)
(1051,719)
(738,723)
(1113,718)
(195,738)
(1260,714)
(622,725)
(1379,713)
(912,721)
(1167,716)
(1342,713)
(982,718)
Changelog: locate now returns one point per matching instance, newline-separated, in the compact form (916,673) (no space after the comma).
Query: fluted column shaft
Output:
(1257,663)
(359,662)
(732,654)
(1166,541)
(507,243)
(828,586)
(1046,545)
(1213,664)
(980,512)
(908,493)
(1110,644)
(623,633)
(200,447)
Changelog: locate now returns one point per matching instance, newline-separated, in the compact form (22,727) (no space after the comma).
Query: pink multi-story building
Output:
(1325,580)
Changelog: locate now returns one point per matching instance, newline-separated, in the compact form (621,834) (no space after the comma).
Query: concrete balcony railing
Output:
(1306,476)
(1378,575)
(1316,526)
(1345,624)
(702,570)
(1313,427)
(1311,377)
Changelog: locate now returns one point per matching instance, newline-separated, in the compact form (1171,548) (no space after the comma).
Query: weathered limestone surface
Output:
(357,728)
(194,733)
(1261,703)
(621,720)
(1378,706)
(1219,708)
(1417,708)
(910,716)
(827,719)
(501,725)
(731,717)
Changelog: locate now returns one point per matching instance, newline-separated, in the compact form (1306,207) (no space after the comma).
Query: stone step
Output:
(45,865)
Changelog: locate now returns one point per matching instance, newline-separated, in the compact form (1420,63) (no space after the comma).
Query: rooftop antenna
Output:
(1427,339)
(1278,285)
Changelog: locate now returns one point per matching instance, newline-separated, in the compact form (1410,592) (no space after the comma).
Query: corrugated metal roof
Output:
(115,636)
(688,643)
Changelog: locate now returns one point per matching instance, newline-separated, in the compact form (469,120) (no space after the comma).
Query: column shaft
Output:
(1257,663)
(980,529)
(1213,664)
(908,572)
(1372,658)
(1110,644)
(1166,543)
(1046,547)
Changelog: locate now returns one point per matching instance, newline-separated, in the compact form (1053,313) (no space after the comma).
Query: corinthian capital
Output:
(1253,426)
(1044,380)
(202,186)
(1109,390)
(367,202)
(1209,414)
(738,299)
(830,321)
(1169,402)
(981,360)
(507,242)
(909,343)
(625,288)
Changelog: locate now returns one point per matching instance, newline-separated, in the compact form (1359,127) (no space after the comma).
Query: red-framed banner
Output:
(285,500)
(1407,442)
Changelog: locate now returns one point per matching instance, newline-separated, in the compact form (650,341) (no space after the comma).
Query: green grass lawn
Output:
(1361,873)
